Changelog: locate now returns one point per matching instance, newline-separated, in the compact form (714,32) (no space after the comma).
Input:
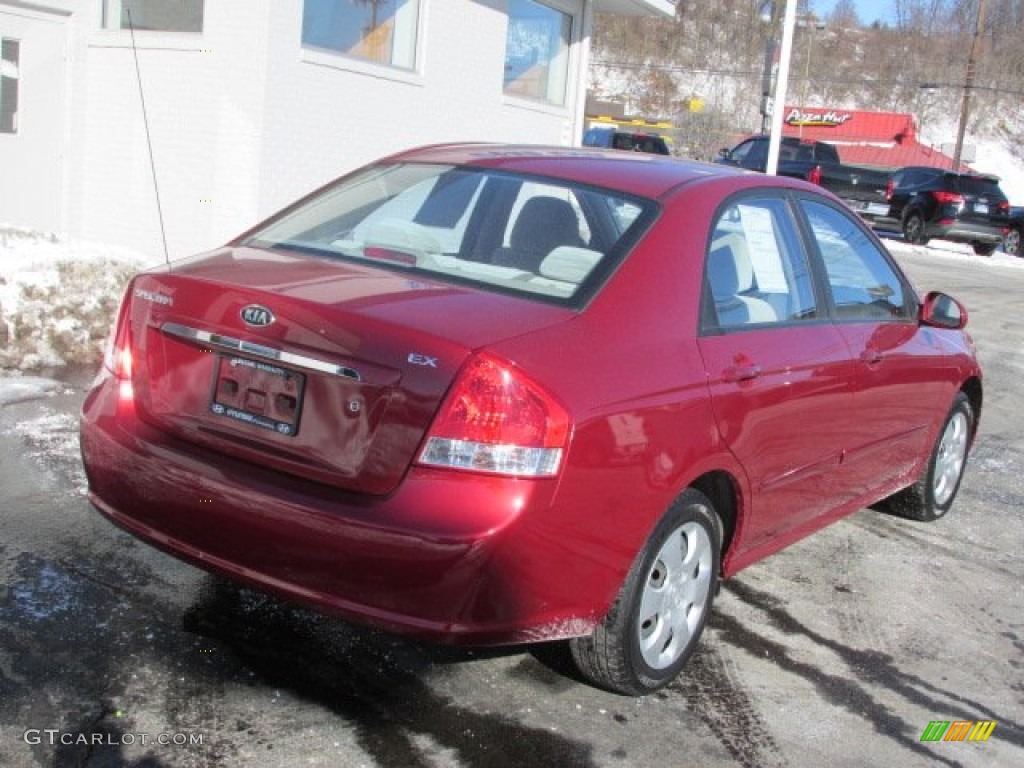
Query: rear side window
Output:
(863,284)
(756,271)
(512,233)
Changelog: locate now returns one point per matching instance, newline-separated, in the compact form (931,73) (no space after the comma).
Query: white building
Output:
(251,103)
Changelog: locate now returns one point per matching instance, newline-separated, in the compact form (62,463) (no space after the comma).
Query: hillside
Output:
(703,69)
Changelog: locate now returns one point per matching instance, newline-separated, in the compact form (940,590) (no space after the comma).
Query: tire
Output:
(1011,243)
(913,229)
(658,616)
(932,495)
(984,249)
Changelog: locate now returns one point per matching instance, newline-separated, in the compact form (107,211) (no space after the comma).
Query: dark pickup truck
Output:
(863,189)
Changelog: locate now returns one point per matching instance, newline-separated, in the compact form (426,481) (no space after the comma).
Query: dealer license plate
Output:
(257,393)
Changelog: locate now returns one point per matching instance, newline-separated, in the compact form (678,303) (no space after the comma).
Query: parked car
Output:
(861,188)
(927,203)
(491,394)
(1014,229)
(632,142)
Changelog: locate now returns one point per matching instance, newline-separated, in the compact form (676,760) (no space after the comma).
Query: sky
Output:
(868,10)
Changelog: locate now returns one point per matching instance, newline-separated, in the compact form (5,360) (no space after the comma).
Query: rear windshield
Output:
(516,234)
(978,185)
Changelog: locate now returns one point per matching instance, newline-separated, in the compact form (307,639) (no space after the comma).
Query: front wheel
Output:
(660,612)
(913,229)
(932,495)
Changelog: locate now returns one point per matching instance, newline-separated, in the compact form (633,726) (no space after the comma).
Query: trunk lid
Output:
(335,371)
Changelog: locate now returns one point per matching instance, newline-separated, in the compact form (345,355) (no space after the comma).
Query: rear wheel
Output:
(660,612)
(913,229)
(1011,243)
(984,249)
(932,495)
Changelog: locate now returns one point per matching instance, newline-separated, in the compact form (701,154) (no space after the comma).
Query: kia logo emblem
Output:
(256,315)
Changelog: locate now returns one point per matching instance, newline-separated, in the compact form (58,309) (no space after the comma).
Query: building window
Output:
(159,15)
(383,31)
(9,53)
(537,51)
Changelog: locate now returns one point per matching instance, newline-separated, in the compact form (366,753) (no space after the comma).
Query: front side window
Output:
(756,270)
(537,51)
(160,15)
(511,233)
(382,31)
(864,285)
(10,52)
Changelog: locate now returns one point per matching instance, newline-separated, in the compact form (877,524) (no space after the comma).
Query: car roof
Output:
(636,173)
(951,172)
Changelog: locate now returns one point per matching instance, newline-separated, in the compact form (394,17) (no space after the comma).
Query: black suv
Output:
(635,142)
(926,203)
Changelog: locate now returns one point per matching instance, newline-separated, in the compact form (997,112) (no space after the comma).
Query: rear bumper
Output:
(449,556)
(957,231)
(965,232)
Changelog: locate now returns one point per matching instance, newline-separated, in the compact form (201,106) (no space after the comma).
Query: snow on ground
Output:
(57,297)
(995,157)
(955,252)
(16,388)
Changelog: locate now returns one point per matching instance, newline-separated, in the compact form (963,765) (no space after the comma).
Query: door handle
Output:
(871,356)
(741,373)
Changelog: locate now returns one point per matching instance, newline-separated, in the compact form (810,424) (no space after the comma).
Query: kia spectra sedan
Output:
(492,394)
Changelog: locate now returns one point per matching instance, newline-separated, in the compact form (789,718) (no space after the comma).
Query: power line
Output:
(745,73)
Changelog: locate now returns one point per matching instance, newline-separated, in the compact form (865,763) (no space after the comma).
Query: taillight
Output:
(495,419)
(1004,207)
(118,358)
(814,175)
(947,198)
(889,187)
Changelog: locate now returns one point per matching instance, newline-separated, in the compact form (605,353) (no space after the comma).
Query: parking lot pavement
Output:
(838,651)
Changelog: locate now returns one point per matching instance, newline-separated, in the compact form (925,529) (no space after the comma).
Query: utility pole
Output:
(965,106)
(769,14)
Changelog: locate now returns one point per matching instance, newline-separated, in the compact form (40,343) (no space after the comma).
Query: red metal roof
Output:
(887,139)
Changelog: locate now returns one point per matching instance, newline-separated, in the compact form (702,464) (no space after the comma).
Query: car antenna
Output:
(149,140)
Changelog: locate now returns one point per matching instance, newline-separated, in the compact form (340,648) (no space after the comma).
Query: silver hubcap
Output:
(949,462)
(675,595)
(1012,244)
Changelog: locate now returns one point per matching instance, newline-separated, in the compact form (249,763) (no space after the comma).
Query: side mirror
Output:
(724,152)
(940,310)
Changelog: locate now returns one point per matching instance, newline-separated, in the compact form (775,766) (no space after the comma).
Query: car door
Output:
(780,374)
(902,183)
(898,390)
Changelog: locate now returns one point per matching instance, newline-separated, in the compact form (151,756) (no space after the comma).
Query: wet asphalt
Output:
(836,652)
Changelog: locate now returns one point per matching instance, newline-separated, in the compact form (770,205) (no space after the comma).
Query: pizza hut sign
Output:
(829,119)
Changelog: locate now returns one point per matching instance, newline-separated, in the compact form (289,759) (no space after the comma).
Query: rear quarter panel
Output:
(629,371)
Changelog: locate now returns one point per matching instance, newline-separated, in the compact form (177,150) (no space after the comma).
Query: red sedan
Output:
(492,394)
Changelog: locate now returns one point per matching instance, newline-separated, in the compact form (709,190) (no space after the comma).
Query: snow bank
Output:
(58,297)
